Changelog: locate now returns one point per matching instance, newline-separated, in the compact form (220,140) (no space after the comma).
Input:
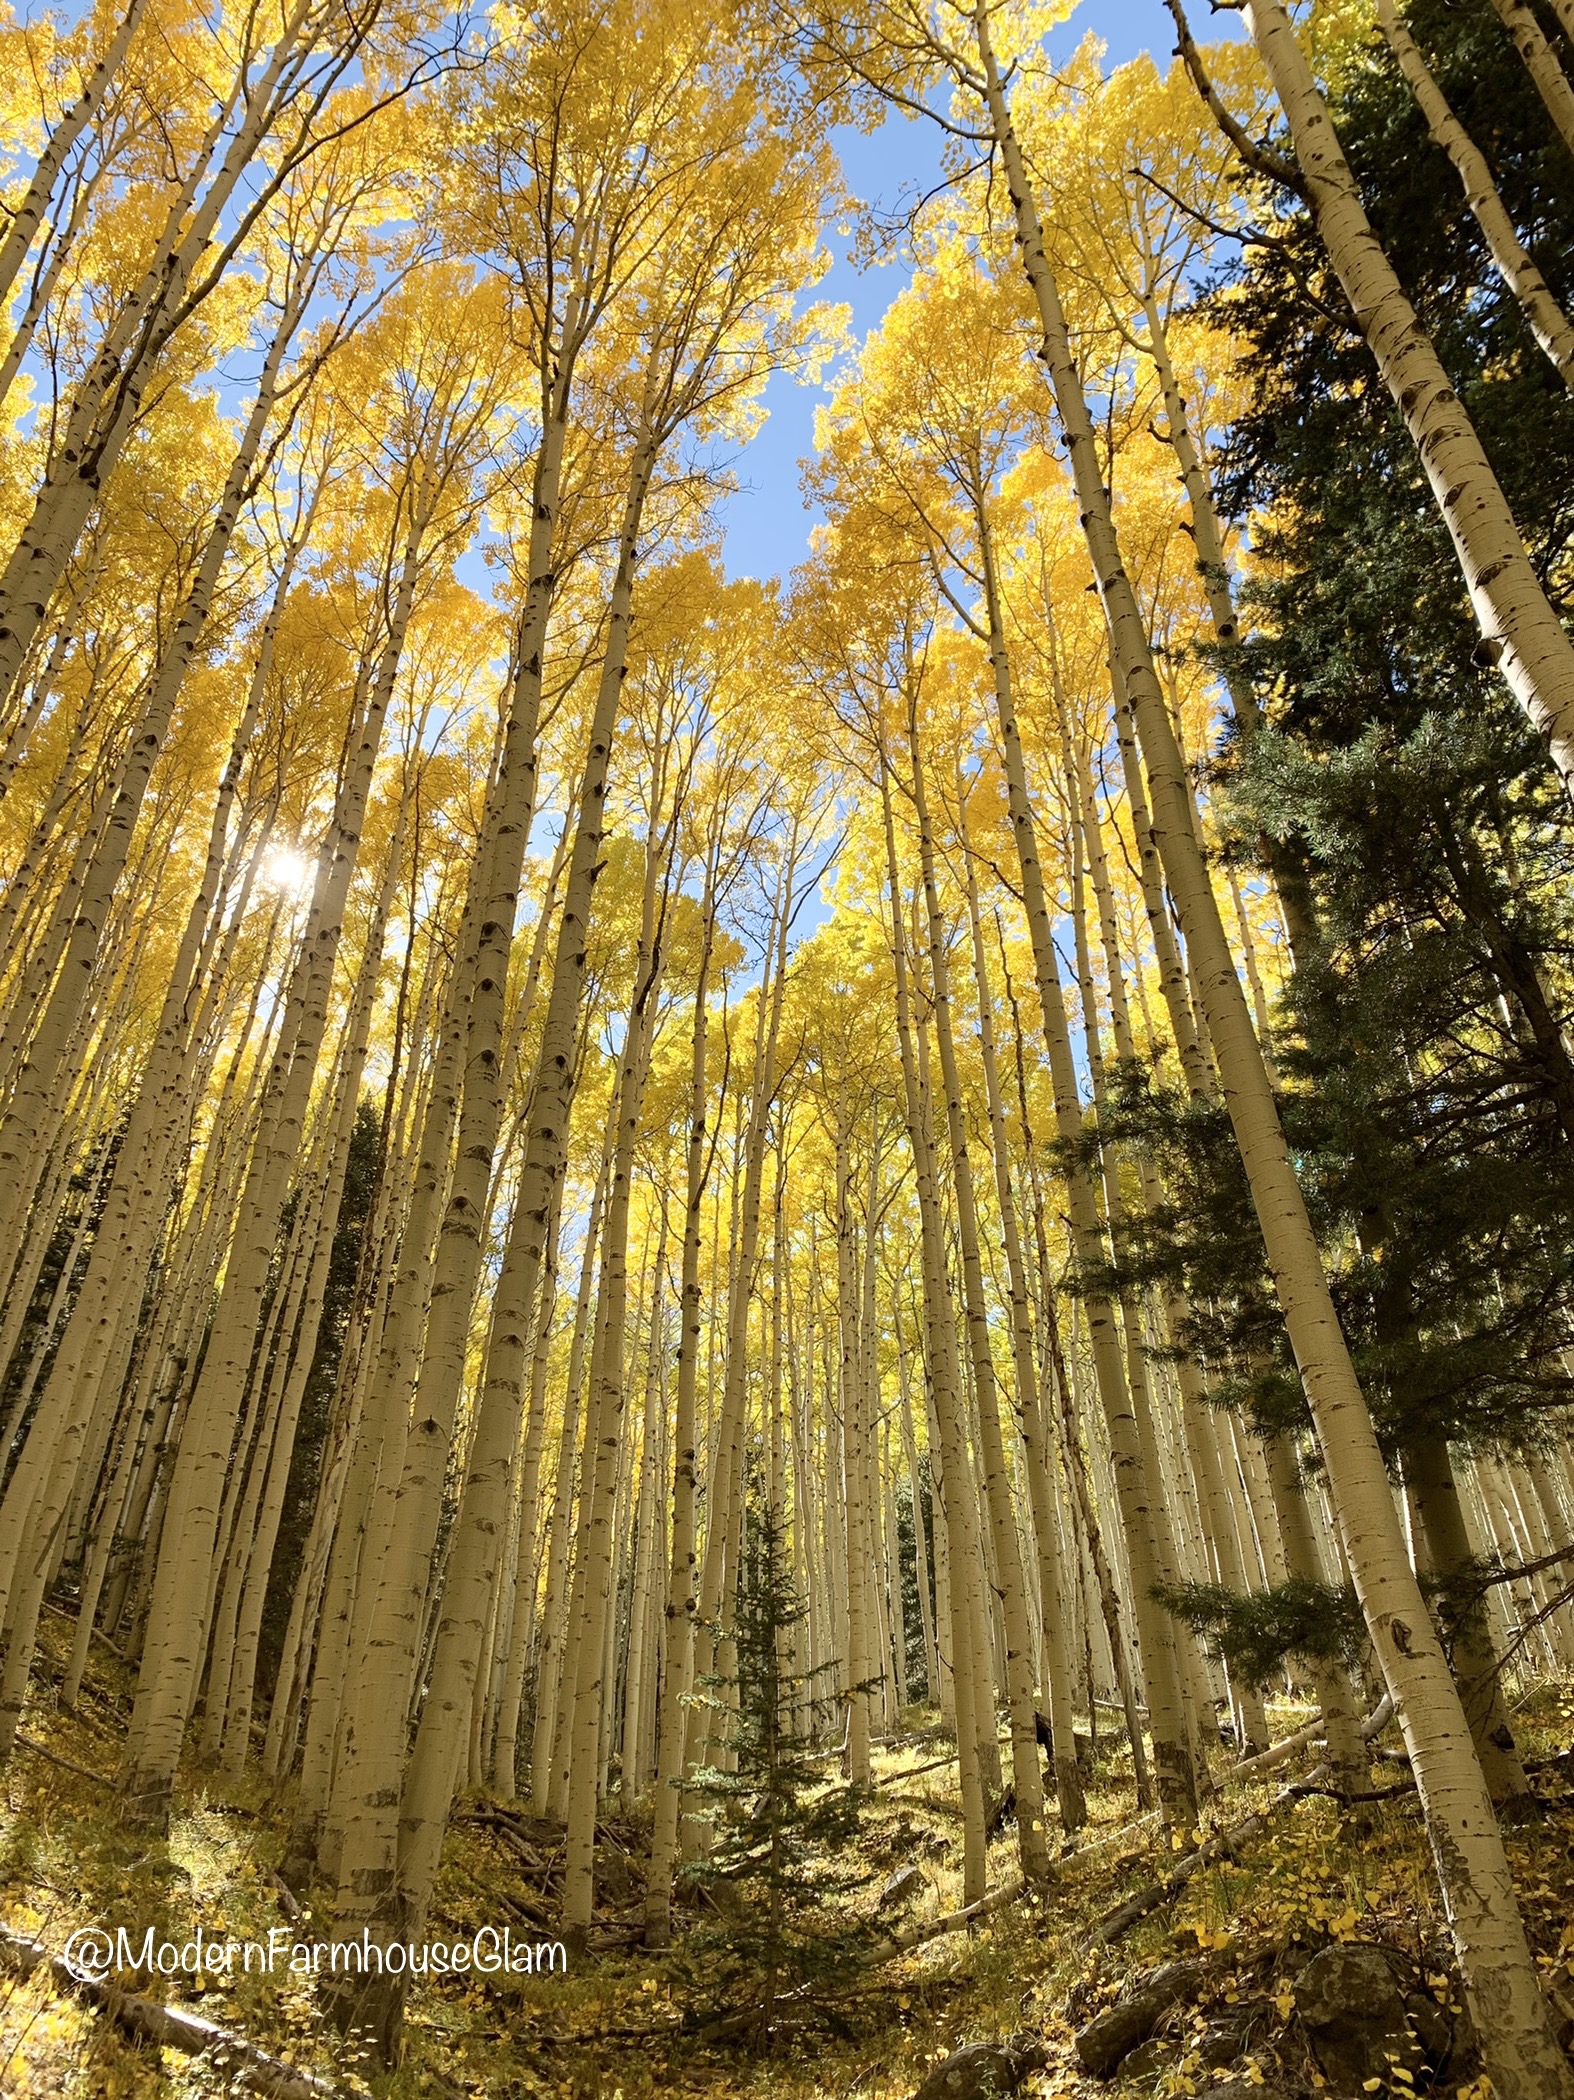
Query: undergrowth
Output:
(612,2029)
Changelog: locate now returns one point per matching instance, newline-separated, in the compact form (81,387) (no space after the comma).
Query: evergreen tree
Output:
(783,1835)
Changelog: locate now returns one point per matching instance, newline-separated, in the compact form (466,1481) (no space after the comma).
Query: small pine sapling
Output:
(782,1833)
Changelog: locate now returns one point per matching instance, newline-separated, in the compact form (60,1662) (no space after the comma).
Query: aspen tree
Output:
(33,1094)
(997,1494)
(94,84)
(284,92)
(443,427)
(603,1432)
(1522,2054)
(1521,632)
(972,1689)
(1541,63)
(679,1607)
(1548,322)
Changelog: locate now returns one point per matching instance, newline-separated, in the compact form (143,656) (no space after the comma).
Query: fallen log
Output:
(250,2069)
(26,1742)
(1124,1915)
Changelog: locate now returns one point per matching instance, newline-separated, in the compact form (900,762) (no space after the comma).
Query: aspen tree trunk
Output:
(1331,1683)
(632,1762)
(360,1538)
(1193,1407)
(1511,259)
(997,1489)
(873,1561)
(1521,631)
(1174,982)
(426,1343)
(1213,569)
(180,274)
(259,1556)
(971,1677)
(920,1533)
(1541,63)
(1155,1631)
(505,1754)
(726,1470)
(1068,1780)
(62,240)
(1164,1506)
(1055,1375)
(177,1623)
(1521,2052)
(685,1460)
(554,1603)
(249,1468)
(604,1429)
(35,1096)
(979,1590)
(1431,1476)
(850,1390)
(381,1888)
(130,1220)
(29,214)
(314,1636)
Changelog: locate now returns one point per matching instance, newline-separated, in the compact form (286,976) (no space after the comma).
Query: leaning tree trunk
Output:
(1522,2054)
(1510,257)
(1520,629)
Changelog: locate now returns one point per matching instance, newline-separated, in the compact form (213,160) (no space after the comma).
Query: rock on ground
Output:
(1113,2034)
(984,2071)
(1354,2013)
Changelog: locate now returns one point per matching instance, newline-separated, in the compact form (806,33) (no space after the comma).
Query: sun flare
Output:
(288,869)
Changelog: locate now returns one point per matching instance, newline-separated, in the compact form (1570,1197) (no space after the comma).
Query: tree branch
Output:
(1261,159)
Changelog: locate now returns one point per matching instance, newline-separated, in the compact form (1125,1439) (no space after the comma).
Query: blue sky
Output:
(766,524)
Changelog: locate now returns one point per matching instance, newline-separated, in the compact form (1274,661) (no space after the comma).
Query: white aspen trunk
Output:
(177,1624)
(1521,632)
(1521,2052)
(29,214)
(1429,1473)
(1541,63)
(726,1470)
(633,1772)
(1511,259)
(1197,1430)
(392,1845)
(385,1660)
(590,1702)
(1330,1681)
(850,1388)
(505,1755)
(1055,1375)
(971,1672)
(555,1601)
(62,240)
(314,1635)
(360,1539)
(1018,1644)
(259,1560)
(1155,1631)
(920,1530)
(34,1097)
(185,267)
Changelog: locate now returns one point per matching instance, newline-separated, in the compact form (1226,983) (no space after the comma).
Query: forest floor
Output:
(621,2024)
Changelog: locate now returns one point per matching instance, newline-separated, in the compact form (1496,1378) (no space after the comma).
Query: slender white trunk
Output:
(1521,2052)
